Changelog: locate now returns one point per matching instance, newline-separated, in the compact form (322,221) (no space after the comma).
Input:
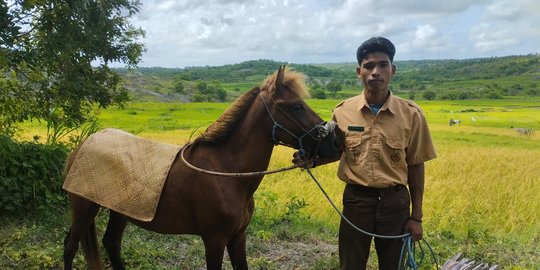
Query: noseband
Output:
(322,129)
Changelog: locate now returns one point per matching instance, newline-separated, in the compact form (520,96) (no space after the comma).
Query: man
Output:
(387,141)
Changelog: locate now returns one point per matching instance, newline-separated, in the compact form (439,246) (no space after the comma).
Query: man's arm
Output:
(415,180)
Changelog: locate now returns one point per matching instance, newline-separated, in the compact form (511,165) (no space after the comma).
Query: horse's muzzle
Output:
(331,143)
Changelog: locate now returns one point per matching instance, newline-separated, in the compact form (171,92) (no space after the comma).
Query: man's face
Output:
(376,71)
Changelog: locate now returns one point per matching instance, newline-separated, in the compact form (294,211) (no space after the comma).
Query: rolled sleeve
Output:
(420,148)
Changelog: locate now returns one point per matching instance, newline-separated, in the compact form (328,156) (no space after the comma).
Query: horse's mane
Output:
(222,127)
(292,79)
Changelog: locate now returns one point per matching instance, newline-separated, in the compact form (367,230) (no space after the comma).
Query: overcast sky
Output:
(217,32)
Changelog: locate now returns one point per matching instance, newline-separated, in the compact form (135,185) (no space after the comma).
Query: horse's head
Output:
(295,124)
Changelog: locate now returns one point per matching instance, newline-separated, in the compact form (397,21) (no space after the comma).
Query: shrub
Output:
(318,93)
(429,95)
(31,176)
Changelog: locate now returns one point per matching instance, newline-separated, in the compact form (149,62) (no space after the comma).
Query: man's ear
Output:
(393,69)
(358,70)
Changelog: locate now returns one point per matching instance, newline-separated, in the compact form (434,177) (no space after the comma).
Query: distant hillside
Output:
(501,76)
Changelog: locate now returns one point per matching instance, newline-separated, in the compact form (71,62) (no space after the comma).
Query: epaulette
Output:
(414,105)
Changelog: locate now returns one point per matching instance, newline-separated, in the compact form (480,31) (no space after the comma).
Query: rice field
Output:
(482,194)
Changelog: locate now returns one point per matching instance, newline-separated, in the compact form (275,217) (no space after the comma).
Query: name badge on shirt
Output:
(356,128)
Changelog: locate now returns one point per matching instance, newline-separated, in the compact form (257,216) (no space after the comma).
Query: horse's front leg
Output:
(214,247)
(237,251)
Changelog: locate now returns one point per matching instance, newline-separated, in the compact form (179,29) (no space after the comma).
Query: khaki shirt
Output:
(379,147)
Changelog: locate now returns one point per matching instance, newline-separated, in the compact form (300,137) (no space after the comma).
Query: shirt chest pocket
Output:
(353,151)
(394,152)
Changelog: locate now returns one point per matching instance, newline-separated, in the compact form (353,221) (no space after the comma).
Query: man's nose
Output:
(376,72)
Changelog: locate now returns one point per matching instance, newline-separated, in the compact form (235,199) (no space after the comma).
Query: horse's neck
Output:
(250,143)
(248,149)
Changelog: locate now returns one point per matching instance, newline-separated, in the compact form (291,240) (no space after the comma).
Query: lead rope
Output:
(236,174)
(408,247)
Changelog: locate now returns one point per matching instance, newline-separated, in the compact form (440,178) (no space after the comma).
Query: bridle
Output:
(323,129)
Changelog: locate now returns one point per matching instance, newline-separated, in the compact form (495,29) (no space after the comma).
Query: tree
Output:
(216,92)
(462,95)
(55,56)
(179,87)
(532,92)
(429,95)
(202,87)
(333,86)
(317,92)
(220,94)
(412,95)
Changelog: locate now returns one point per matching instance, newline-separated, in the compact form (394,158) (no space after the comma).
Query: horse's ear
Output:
(280,78)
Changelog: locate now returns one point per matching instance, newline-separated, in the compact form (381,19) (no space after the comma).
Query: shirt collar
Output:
(389,104)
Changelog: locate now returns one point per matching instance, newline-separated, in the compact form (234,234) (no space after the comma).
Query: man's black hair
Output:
(375,44)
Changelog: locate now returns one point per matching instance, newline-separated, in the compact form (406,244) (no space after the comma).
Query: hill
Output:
(494,77)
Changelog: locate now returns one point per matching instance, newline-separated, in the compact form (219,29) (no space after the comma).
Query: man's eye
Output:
(369,66)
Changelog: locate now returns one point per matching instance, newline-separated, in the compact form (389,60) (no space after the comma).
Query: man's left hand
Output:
(415,228)
(308,163)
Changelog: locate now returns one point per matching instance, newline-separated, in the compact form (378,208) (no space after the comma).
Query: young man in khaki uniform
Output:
(387,141)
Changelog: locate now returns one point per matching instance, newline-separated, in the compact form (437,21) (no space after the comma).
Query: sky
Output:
(185,33)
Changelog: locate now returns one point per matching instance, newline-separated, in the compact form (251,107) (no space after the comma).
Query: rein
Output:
(235,174)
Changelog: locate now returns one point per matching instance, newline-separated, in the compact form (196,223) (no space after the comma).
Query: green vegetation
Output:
(31,176)
(484,78)
(54,58)
(482,194)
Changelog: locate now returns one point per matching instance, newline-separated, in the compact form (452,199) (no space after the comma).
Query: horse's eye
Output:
(297,107)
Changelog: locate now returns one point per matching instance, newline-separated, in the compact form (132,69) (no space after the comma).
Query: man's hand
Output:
(297,159)
(415,228)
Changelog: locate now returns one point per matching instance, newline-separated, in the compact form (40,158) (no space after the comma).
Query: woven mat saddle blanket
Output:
(122,172)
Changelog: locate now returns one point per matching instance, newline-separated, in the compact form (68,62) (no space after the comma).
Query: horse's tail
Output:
(90,248)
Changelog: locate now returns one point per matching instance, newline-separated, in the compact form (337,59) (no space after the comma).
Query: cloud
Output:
(488,39)
(512,10)
(506,25)
(215,32)
(427,36)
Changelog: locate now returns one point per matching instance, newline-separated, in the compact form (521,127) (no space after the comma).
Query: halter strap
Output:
(319,127)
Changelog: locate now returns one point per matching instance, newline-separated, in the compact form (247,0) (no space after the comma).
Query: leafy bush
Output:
(30,176)
(318,93)
(429,95)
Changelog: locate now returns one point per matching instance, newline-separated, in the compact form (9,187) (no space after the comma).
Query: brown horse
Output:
(216,208)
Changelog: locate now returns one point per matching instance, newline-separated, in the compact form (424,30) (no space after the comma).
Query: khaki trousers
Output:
(381,211)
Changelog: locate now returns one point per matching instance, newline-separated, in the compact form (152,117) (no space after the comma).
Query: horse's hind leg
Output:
(112,239)
(83,214)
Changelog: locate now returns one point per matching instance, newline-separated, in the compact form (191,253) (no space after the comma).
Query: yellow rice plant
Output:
(488,188)
(492,189)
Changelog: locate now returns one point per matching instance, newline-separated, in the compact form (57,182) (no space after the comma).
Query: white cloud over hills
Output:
(217,32)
